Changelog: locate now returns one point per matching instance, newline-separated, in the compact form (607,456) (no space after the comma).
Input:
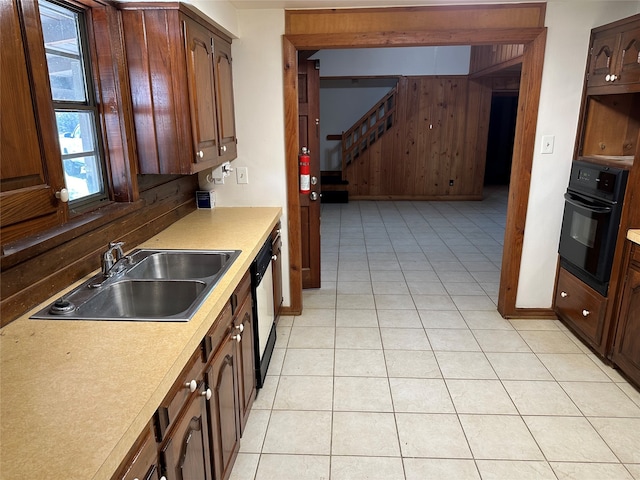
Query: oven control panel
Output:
(604,182)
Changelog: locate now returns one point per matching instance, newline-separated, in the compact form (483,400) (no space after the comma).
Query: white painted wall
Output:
(564,66)
(260,123)
(452,60)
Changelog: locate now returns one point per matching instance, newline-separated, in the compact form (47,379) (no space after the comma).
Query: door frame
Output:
(455,26)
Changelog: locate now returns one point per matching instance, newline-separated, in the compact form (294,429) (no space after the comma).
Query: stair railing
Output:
(371,126)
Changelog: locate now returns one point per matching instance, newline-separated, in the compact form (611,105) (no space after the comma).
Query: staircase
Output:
(366,131)
(355,142)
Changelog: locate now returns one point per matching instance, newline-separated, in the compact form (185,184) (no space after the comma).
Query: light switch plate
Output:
(242,175)
(547,143)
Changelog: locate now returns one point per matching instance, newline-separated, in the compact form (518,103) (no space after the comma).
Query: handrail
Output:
(369,128)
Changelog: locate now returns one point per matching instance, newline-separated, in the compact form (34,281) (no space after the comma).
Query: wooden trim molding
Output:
(323,29)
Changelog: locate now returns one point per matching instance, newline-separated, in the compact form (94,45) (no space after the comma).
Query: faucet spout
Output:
(109,258)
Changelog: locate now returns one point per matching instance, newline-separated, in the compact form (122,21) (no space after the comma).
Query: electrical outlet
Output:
(242,175)
(547,143)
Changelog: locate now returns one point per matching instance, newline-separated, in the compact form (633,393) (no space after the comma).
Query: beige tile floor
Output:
(401,368)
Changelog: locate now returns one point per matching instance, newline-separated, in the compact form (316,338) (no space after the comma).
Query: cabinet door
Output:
(601,57)
(31,166)
(186,451)
(201,90)
(223,408)
(626,351)
(224,101)
(627,65)
(246,363)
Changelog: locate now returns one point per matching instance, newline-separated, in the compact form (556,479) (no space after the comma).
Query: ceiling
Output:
(297,4)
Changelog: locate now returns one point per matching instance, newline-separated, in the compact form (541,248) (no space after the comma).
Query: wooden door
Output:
(223,408)
(186,451)
(600,58)
(309,128)
(201,91)
(227,146)
(246,361)
(31,166)
(628,59)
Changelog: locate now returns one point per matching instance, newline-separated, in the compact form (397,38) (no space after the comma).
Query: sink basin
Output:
(179,265)
(146,285)
(129,299)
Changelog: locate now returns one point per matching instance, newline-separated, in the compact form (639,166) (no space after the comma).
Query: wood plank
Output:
(402,38)
(336,21)
(520,182)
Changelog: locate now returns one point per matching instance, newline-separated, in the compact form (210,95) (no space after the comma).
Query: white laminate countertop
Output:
(75,395)
(634,235)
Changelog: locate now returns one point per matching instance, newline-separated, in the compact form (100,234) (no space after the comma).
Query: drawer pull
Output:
(192,385)
(585,313)
(564,294)
(207,394)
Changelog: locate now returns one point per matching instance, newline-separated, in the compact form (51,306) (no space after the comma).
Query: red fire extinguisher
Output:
(305,171)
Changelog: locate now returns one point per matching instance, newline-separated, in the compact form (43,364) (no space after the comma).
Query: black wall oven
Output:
(593,204)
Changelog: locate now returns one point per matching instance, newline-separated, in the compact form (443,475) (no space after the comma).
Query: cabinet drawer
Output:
(580,305)
(241,293)
(218,331)
(187,383)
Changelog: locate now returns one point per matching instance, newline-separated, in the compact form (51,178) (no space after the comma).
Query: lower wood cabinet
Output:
(581,308)
(199,423)
(626,347)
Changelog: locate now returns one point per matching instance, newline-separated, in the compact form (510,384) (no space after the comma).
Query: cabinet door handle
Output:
(585,313)
(240,327)
(223,148)
(200,154)
(207,394)
(564,294)
(63,195)
(237,338)
(192,385)
(274,257)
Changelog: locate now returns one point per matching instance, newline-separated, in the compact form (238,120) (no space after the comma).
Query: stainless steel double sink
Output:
(146,285)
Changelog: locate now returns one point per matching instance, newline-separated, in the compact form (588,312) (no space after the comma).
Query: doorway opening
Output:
(500,141)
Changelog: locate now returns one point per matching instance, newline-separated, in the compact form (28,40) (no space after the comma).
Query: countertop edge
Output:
(634,235)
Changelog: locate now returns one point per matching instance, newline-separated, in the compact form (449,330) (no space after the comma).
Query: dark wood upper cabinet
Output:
(614,60)
(31,167)
(181,86)
(226,121)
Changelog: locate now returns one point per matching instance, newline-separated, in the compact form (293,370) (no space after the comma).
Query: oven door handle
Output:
(581,202)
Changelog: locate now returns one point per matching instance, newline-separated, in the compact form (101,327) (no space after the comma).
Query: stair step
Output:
(340,196)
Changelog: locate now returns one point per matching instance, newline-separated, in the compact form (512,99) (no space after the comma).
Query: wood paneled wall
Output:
(436,148)
(30,277)
(487,56)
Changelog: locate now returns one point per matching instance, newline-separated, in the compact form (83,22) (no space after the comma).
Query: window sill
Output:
(23,249)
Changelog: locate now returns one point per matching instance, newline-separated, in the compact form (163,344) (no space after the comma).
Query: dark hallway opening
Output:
(502,129)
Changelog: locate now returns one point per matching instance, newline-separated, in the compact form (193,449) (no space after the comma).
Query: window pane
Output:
(76,131)
(64,55)
(83,176)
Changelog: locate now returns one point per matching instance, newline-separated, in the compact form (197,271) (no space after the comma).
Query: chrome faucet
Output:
(112,256)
